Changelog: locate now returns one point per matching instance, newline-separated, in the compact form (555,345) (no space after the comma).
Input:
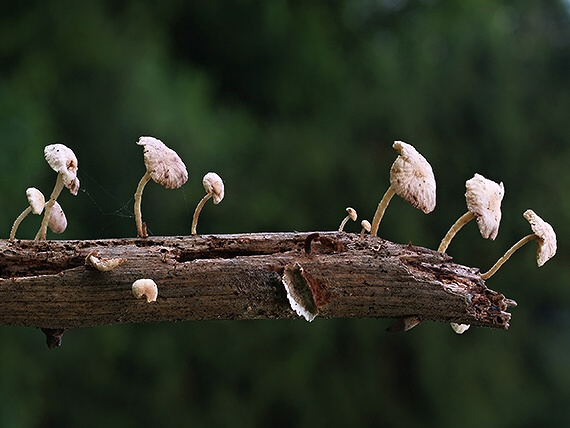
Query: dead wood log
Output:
(47,284)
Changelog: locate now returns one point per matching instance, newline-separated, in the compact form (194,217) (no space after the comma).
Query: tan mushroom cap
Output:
(352,213)
(57,220)
(484,198)
(213,185)
(162,163)
(411,177)
(36,200)
(546,237)
(145,287)
(63,161)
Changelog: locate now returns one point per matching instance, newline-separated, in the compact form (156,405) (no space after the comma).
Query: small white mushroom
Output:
(483,197)
(57,220)
(366,227)
(145,287)
(460,328)
(63,161)
(545,238)
(163,166)
(411,178)
(36,202)
(214,187)
(103,264)
(352,215)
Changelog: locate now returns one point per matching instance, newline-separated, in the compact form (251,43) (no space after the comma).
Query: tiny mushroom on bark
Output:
(103,264)
(214,187)
(545,238)
(483,197)
(145,287)
(63,161)
(57,221)
(352,215)
(366,227)
(36,202)
(163,166)
(411,178)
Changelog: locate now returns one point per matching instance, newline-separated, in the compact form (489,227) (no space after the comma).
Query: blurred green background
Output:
(296,105)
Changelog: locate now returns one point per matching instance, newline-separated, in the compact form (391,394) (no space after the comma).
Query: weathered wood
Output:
(47,284)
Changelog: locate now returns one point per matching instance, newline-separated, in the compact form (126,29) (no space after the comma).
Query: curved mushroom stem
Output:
(508,254)
(18,221)
(49,205)
(381,209)
(343,223)
(141,229)
(461,221)
(197,212)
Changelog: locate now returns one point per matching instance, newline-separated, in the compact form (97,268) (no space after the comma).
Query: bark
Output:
(47,284)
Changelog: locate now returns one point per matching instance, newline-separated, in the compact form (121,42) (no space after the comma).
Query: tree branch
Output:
(47,284)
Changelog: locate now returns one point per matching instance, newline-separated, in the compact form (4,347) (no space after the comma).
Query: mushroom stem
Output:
(343,223)
(461,221)
(197,212)
(141,230)
(508,254)
(59,184)
(381,209)
(18,221)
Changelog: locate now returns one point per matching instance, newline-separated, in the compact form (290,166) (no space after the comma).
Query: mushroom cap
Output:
(57,220)
(366,225)
(36,200)
(63,161)
(352,213)
(484,198)
(162,163)
(213,185)
(145,287)
(546,237)
(412,178)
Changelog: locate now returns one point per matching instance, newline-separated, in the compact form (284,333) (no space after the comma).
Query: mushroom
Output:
(164,166)
(483,198)
(57,220)
(411,178)
(352,215)
(545,238)
(214,187)
(459,328)
(366,227)
(145,287)
(36,202)
(103,264)
(63,161)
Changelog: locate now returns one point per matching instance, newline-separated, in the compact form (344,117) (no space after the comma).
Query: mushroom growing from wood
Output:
(63,161)
(483,197)
(352,215)
(163,166)
(145,287)
(411,178)
(36,202)
(214,187)
(545,238)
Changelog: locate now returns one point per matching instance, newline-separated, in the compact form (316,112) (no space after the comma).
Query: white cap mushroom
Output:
(145,287)
(163,166)
(36,202)
(57,220)
(352,215)
(366,227)
(214,187)
(63,161)
(545,238)
(411,178)
(483,197)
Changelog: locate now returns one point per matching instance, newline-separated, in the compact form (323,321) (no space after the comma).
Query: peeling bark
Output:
(47,284)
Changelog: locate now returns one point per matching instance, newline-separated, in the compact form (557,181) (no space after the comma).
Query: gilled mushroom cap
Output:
(546,242)
(484,198)
(352,213)
(163,164)
(214,186)
(36,200)
(411,177)
(57,220)
(63,161)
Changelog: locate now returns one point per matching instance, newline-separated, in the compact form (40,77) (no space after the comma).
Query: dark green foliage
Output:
(295,104)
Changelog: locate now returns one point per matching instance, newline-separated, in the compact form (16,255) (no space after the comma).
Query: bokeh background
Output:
(296,105)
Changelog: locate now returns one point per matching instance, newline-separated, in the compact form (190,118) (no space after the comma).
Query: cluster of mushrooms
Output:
(163,166)
(412,178)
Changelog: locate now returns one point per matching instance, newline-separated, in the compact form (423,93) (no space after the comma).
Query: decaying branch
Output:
(47,284)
